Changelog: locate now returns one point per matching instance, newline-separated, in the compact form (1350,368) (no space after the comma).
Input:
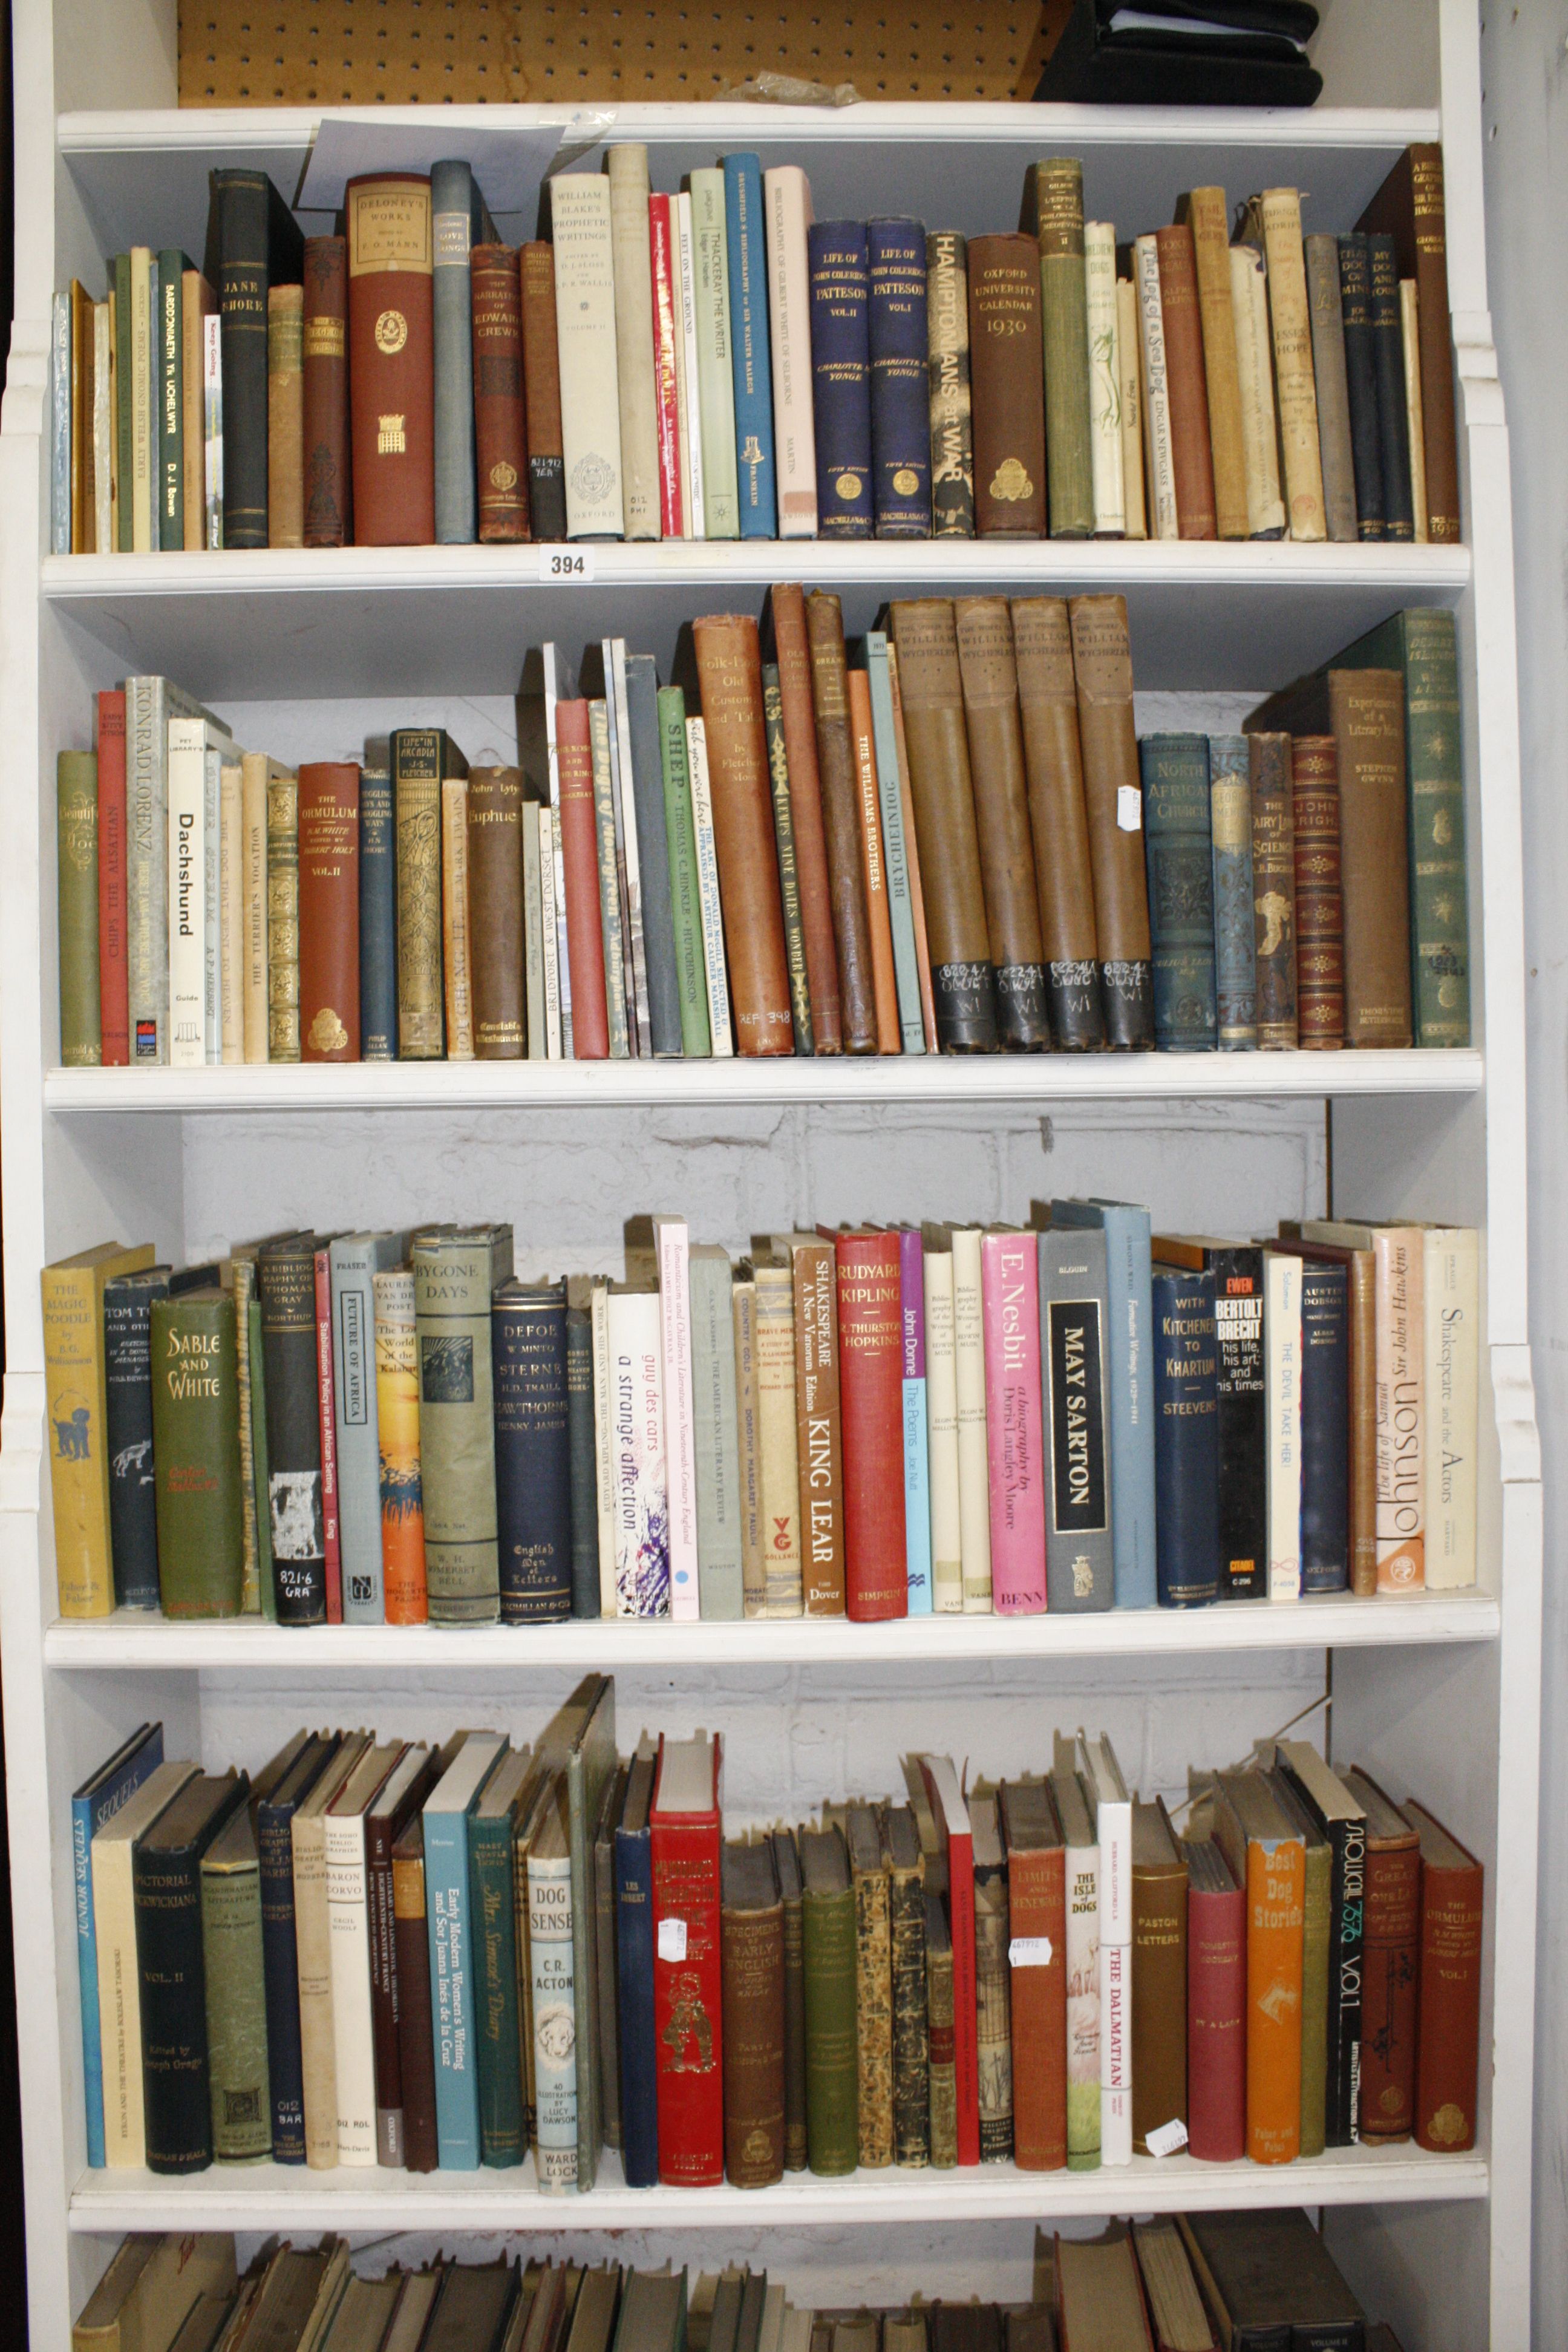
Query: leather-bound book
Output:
(328,911)
(840,799)
(1054,204)
(1448,2041)
(907,1946)
(390,359)
(1330,379)
(329,501)
(992,1971)
(787,1864)
(1274,890)
(1268,2278)
(533,1453)
(416,2049)
(942,2062)
(580,861)
(1361,384)
(1191,454)
(828,1925)
(1388,370)
(1409,207)
(1319,908)
(500,448)
(1102,665)
(542,390)
(1390,1965)
(793,651)
(1037,1926)
(1058,819)
(751,1934)
(1216,2005)
(1205,212)
(1186,1437)
(870,1388)
(841,376)
(1159,1974)
(1007,368)
(989,677)
(901,392)
(951,414)
(285,417)
(728,669)
(166,1878)
(1179,850)
(253,244)
(873,1989)
(495,918)
(931,685)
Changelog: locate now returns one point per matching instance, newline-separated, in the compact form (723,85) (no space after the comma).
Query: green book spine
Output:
(267,1591)
(691,964)
(170,387)
(1063,316)
(789,874)
(416,768)
(832,2121)
(609,880)
(124,439)
(236,1997)
(493,1897)
(1315,1999)
(715,358)
(452,1285)
(81,1033)
(195,1455)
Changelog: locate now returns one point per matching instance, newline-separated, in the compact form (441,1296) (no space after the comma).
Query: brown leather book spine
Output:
(285,416)
(329,501)
(730,675)
(1187,384)
(1037,1912)
(1274,890)
(840,796)
(542,390)
(1159,2000)
(1059,819)
(415,2048)
(1113,796)
(1007,394)
(931,685)
(1410,207)
(1319,912)
(1208,217)
(1391,1958)
(990,678)
(793,648)
(819,1451)
(392,359)
(1448,2042)
(873,866)
(751,1949)
(329,910)
(873,2015)
(1366,711)
(495,918)
(500,448)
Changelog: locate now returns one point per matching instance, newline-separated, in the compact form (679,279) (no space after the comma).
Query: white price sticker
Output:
(1030,1952)
(1166,2139)
(673,1939)
(1129,808)
(559,564)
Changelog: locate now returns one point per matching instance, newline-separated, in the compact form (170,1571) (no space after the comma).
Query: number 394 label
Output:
(565,563)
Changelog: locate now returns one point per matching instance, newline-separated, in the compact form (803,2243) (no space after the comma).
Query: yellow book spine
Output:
(79,1469)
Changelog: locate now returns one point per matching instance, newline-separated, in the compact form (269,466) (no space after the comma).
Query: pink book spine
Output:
(666,392)
(1010,1304)
(679,1430)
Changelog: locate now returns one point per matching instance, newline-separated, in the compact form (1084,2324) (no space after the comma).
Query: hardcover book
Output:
(828,1940)
(753,1973)
(1038,1957)
(1074,1339)
(1186,1444)
(391,358)
(685,1839)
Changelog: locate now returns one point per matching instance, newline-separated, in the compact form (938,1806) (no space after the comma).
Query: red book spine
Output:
(667,402)
(688,1997)
(329,1437)
(328,911)
(1449,2040)
(1217,2024)
(1037,1913)
(871,1416)
(1390,1967)
(580,863)
(500,440)
(392,346)
(113,971)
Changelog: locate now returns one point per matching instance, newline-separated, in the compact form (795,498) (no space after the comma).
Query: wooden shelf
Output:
(288,2196)
(280,623)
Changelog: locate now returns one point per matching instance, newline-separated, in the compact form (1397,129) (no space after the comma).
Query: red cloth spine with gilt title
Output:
(686,1990)
(871,1415)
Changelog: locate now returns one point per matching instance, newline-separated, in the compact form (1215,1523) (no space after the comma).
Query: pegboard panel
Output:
(585,52)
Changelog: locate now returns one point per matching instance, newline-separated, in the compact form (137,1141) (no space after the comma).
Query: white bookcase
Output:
(307,654)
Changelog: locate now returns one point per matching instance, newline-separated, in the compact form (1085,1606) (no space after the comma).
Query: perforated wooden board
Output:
(588,52)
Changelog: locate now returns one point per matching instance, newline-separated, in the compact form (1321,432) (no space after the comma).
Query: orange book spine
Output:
(884,986)
(1275,1919)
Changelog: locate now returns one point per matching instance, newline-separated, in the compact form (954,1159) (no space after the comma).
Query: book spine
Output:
(753,1564)
(377,918)
(1319,905)
(328,911)
(900,399)
(1388,367)
(608,2032)
(1347,1911)
(993,2016)
(353,2033)
(729,669)
(871,1342)
(635,2004)
(1074,1311)
(674,521)
(498,921)
(1275,1916)
(1391,1966)
(777,1447)
(841,822)
(1115,2040)
(1402,1409)
(895,856)
(1451,1321)
(287,1287)
(452,1285)
(807,816)
(143,401)
(231,910)
(282,916)
(1081,1944)
(719,1024)
(1179,848)
(1058,189)
(1053,766)
(714,389)
(1274,890)
(1282,1378)
(947,367)
(113,974)
(1216,2025)
(1209,220)
(555,2000)
(687,2002)
(60,436)
(1186,1444)
(457,930)
(580,865)
(1007,389)
(449,1922)
(941,1402)
(1130,402)
(355,1435)
(1159,456)
(542,390)
(81,1017)
(1037,1928)
(753,1966)
(452,329)
(1361,384)
(1255,369)
(534,1468)
(819,1451)
(331,1529)
(83,1812)
(212,427)
(174,2058)
(1011,1314)
(1439,939)
(397,1439)
(828,1966)
(680,1444)
(1429,233)
(789,878)
(1325,1409)
(873,2019)
(1102,664)
(786,203)
(187,911)
(128,1440)
(280,1973)
(750,345)
(693,486)
(1241,1395)
(103,425)
(501,454)
(1159,2035)
(587,308)
(266,1583)
(1104,379)
(380,1917)
(1315,1997)
(680,842)
(641,1509)
(1289,312)
(493,1895)
(910,2028)
(1332,384)
(626,166)
(1192,459)
(416,759)
(584,1474)
(1448,2024)
(1234,928)
(391,269)
(841,376)
(285,417)
(714,1442)
(415,2048)
(196,1455)
(943,2071)
(147,710)
(614,926)
(169,388)
(557,1014)
(973,1453)
(120,343)
(328,479)
(916,1440)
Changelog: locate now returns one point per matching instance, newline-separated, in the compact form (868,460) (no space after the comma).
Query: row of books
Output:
(879,1422)
(389,1953)
(1181,2284)
(716,364)
(947,838)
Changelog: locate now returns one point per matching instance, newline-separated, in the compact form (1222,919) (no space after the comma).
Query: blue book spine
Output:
(634,2004)
(88,1813)
(841,376)
(451,1991)
(917,1438)
(452,309)
(1325,1426)
(1179,856)
(533,1453)
(901,389)
(1235,923)
(585,1471)
(751,355)
(1127,1256)
(377,918)
(60,429)
(1187,1440)
(280,1979)
(653,858)
(895,849)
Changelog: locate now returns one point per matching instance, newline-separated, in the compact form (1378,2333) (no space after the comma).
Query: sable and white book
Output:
(671,1241)
(942,1425)
(585,339)
(1160,467)
(786,204)
(196,748)
(973,1457)
(1451,1321)
(1282,1411)
(717,977)
(641,1501)
(1111,1811)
